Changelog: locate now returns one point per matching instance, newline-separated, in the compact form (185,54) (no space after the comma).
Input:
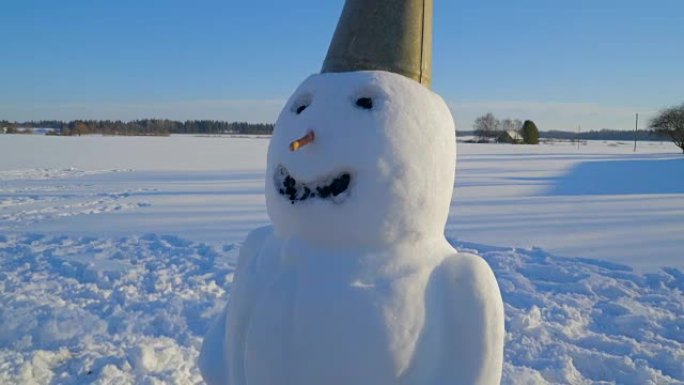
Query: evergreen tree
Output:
(530,133)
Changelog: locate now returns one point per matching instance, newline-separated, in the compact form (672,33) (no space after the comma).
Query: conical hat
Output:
(386,35)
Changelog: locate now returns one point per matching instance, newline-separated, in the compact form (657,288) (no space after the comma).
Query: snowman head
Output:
(361,158)
(363,155)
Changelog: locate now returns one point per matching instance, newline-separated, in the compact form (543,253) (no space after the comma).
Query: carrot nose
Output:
(303,141)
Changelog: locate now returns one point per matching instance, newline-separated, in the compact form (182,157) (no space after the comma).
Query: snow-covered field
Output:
(116,253)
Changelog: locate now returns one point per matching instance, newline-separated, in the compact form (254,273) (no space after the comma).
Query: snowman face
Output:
(361,158)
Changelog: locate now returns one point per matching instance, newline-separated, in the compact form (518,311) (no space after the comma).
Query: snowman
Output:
(354,282)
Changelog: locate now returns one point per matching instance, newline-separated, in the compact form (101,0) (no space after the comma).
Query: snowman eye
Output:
(300,109)
(301,104)
(365,103)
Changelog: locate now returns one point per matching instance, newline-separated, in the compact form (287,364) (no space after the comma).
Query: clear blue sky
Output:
(583,62)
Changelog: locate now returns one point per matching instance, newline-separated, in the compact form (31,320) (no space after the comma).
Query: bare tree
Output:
(670,122)
(506,124)
(511,125)
(517,125)
(486,126)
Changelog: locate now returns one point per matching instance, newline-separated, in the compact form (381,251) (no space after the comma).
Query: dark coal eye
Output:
(301,103)
(365,103)
(300,109)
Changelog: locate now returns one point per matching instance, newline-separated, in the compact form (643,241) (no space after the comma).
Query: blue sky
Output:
(561,63)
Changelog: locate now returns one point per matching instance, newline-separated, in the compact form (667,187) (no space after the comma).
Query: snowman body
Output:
(355,283)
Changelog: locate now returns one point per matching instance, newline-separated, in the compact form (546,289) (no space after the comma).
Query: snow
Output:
(117,311)
(582,321)
(601,201)
(502,196)
(128,294)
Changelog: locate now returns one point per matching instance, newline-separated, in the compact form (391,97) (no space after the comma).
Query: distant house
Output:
(510,136)
(3,130)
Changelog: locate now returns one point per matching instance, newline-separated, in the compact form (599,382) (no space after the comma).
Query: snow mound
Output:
(78,310)
(81,310)
(583,321)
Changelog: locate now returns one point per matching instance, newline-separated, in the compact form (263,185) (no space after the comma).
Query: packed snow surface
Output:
(116,254)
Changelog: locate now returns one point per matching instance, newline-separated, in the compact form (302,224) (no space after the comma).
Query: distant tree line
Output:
(603,134)
(487,127)
(143,127)
(669,123)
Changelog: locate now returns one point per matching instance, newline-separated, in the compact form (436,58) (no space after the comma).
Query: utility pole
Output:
(636,128)
(579,130)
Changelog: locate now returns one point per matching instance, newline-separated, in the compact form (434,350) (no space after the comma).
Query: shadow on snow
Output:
(622,177)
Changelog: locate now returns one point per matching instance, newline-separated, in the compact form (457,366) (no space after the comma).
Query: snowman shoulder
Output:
(473,319)
(253,244)
(470,285)
(213,360)
(469,272)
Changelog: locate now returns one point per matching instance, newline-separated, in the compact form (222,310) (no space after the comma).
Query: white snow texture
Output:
(133,310)
(357,284)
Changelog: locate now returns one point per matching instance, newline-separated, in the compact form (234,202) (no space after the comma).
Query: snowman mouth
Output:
(335,188)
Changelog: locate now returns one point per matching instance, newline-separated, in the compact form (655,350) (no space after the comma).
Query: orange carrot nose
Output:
(303,141)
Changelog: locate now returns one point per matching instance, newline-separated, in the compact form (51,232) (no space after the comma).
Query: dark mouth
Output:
(333,188)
